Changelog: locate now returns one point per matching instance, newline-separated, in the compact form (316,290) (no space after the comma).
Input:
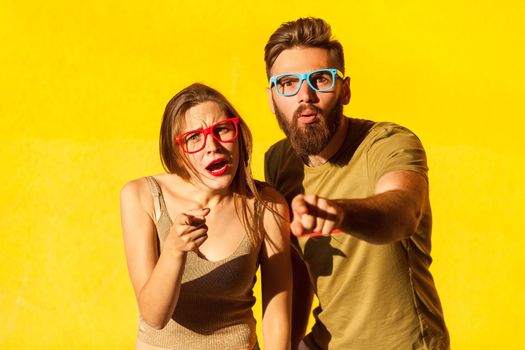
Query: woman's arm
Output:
(302,298)
(156,279)
(276,273)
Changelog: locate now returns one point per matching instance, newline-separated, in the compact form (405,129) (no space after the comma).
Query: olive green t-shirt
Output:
(370,296)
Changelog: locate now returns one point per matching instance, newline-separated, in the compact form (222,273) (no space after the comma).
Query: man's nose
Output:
(306,93)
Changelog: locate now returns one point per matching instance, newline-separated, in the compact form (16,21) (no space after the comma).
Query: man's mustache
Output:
(303,108)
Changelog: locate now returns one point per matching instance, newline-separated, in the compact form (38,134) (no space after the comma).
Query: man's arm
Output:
(391,214)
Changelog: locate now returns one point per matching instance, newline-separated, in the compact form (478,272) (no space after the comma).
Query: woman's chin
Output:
(216,183)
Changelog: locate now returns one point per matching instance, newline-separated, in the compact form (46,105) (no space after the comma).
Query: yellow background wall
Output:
(82,90)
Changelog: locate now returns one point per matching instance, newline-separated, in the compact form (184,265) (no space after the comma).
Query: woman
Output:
(194,236)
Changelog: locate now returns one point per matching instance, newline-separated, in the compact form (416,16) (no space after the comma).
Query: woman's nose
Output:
(212,144)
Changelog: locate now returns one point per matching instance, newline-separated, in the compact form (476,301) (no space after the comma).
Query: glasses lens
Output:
(193,141)
(322,80)
(225,131)
(288,84)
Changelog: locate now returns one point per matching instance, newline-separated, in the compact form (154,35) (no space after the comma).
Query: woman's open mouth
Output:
(218,167)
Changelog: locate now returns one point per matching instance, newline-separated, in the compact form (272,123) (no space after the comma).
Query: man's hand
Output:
(313,213)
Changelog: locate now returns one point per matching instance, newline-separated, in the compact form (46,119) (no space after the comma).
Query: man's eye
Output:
(287,82)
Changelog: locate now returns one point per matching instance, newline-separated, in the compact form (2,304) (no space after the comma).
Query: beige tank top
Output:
(214,310)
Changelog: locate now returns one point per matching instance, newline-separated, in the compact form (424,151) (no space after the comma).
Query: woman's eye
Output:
(193,137)
(222,129)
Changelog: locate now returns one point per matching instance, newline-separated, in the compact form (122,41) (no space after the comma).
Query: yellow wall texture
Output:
(83,87)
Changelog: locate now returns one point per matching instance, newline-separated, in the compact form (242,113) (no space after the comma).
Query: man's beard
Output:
(310,139)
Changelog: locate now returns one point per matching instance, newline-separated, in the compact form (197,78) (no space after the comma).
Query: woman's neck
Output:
(204,197)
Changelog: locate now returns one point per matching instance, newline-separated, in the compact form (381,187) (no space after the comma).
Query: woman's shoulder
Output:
(270,195)
(134,187)
(141,183)
(274,201)
(276,216)
(139,190)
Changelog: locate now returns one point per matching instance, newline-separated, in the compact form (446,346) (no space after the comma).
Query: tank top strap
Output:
(158,200)
(259,213)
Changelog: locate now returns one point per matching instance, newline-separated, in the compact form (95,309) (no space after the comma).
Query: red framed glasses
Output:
(194,141)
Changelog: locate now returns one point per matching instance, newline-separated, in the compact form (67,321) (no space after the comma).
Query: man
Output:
(362,188)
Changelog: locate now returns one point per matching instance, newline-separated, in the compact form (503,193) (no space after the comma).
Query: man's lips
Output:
(217,167)
(307,116)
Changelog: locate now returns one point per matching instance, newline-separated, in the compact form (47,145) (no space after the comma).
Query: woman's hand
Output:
(188,232)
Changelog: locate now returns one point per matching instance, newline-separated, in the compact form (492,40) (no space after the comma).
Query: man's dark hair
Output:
(304,32)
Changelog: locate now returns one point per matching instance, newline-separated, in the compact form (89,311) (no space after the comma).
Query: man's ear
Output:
(270,99)
(347,93)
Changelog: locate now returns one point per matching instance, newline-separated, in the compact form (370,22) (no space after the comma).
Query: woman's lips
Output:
(217,167)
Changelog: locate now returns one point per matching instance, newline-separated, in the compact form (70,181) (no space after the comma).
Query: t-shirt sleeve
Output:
(269,168)
(392,148)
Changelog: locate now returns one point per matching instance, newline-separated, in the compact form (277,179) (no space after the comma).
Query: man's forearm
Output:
(383,218)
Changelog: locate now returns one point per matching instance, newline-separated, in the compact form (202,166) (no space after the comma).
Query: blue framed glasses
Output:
(321,80)
(194,141)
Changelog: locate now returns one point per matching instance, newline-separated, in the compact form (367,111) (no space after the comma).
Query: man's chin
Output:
(308,139)
(309,144)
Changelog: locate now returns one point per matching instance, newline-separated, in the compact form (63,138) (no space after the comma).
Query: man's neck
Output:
(333,146)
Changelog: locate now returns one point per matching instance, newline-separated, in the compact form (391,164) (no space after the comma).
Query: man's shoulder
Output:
(385,130)
(388,128)
(380,138)
(279,149)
